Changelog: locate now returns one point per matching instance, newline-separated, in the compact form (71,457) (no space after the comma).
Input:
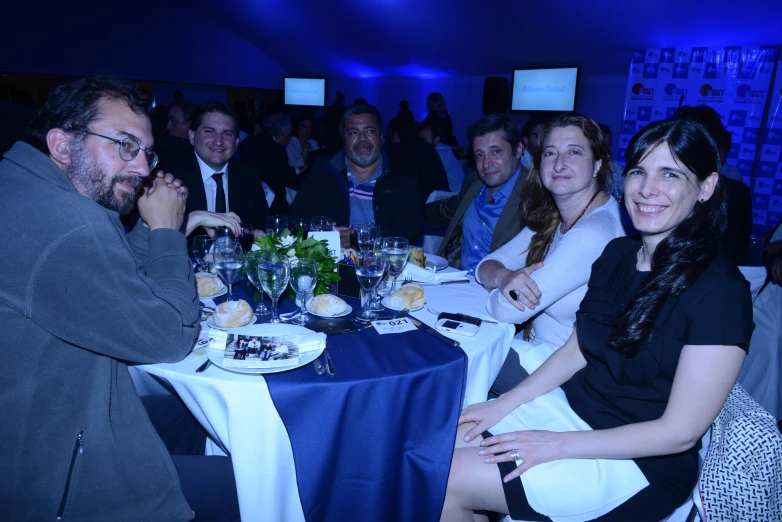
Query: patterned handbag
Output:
(741,478)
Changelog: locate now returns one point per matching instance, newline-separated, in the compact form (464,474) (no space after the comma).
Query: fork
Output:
(407,281)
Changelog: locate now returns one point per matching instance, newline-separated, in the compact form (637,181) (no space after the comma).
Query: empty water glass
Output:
(321,224)
(370,267)
(251,267)
(274,272)
(302,224)
(276,224)
(304,277)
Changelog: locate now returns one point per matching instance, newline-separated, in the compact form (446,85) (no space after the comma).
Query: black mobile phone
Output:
(460,317)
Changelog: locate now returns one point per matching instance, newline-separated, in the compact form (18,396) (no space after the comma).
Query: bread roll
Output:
(410,296)
(233,314)
(208,285)
(328,305)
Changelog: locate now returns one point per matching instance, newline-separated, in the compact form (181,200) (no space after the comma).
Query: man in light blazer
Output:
(487,212)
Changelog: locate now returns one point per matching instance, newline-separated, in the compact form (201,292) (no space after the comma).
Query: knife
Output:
(428,329)
(456,282)
(204,366)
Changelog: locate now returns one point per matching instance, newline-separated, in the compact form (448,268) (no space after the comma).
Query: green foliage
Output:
(286,244)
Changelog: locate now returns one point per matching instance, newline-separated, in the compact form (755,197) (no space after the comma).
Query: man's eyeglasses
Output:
(128,148)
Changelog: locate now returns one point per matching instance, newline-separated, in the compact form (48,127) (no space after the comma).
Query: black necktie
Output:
(220,196)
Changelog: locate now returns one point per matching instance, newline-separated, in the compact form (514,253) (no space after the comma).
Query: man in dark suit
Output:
(361,184)
(487,212)
(218,182)
(266,152)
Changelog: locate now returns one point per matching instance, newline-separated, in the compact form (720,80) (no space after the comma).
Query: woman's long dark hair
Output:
(688,250)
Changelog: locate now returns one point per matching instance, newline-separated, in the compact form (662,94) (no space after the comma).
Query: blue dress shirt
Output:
(480,220)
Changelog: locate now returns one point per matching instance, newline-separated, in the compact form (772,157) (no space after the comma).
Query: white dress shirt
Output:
(210,187)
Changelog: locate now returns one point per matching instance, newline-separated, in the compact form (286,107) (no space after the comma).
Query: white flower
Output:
(287,241)
(254,248)
(292,253)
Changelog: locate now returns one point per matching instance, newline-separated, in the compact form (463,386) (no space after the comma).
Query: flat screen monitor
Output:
(549,89)
(305,91)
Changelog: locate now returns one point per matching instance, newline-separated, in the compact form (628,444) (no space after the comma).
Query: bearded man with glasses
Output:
(80,301)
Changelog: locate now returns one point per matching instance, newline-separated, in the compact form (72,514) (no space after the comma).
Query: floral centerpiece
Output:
(287,244)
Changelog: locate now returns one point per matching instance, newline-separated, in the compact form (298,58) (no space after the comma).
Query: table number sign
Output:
(332,242)
(392,326)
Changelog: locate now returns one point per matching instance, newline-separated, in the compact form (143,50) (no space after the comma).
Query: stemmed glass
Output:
(251,267)
(321,224)
(274,272)
(396,250)
(302,224)
(202,245)
(370,267)
(223,232)
(228,263)
(276,223)
(304,277)
(367,233)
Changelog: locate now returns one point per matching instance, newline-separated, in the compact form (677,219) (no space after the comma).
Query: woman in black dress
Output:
(659,341)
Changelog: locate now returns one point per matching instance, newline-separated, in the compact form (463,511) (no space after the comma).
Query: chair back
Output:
(741,478)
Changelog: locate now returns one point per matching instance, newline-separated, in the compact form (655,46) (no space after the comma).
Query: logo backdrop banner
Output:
(735,81)
(768,175)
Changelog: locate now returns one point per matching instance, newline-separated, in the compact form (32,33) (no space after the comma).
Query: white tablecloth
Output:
(238,413)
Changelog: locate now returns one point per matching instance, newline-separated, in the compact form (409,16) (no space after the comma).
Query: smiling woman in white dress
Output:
(540,276)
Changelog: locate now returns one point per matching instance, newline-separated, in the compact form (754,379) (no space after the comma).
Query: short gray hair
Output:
(277,124)
(361,108)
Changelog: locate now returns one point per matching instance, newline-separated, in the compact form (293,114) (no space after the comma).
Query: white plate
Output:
(387,303)
(269,330)
(439,263)
(218,294)
(211,324)
(343,314)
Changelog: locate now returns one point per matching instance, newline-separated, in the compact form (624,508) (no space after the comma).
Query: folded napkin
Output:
(306,342)
(421,275)
(570,490)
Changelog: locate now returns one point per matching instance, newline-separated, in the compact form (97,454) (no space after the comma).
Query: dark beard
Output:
(88,176)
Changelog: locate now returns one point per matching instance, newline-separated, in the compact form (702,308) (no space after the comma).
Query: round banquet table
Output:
(372,442)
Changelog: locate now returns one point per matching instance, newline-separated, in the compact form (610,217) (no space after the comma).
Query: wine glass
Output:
(370,267)
(396,250)
(223,232)
(321,224)
(228,263)
(367,233)
(304,277)
(302,224)
(202,245)
(375,305)
(251,267)
(248,236)
(276,224)
(274,272)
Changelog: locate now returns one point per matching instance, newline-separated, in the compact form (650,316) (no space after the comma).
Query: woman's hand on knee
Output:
(485,414)
(526,448)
